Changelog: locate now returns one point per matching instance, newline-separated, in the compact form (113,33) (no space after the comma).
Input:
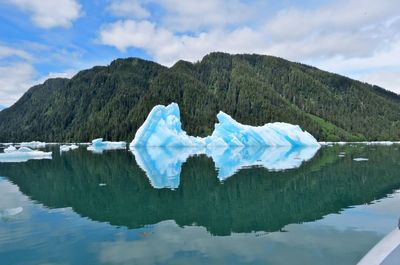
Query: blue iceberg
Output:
(163,128)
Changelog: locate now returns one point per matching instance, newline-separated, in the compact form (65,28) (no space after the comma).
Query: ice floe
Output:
(23,154)
(33,145)
(361,143)
(359,159)
(66,148)
(98,145)
(10,212)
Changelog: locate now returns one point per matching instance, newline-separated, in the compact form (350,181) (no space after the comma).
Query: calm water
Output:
(170,207)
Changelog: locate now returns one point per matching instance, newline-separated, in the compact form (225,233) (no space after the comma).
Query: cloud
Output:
(49,14)
(17,68)
(166,47)
(344,36)
(7,52)
(192,15)
(388,80)
(128,8)
(69,73)
(293,23)
(15,79)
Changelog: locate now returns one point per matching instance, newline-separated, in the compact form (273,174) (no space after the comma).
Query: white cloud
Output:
(17,69)
(347,37)
(128,8)
(166,47)
(66,74)
(191,15)
(6,51)
(388,80)
(48,13)
(15,79)
(341,15)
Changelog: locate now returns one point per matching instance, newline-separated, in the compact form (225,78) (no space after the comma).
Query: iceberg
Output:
(163,165)
(163,128)
(33,145)
(66,148)
(98,145)
(23,154)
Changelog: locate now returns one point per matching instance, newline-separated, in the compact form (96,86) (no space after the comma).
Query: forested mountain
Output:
(113,101)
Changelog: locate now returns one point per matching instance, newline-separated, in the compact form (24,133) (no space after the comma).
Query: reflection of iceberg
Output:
(98,145)
(272,158)
(23,154)
(163,164)
(163,128)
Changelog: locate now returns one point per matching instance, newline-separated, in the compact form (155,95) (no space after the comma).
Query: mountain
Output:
(113,101)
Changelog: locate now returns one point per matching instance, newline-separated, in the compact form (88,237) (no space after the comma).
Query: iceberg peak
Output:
(163,128)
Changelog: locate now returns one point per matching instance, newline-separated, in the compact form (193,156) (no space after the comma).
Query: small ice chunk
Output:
(359,159)
(10,149)
(66,148)
(11,212)
(98,145)
(33,145)
(102,184)
(23,154)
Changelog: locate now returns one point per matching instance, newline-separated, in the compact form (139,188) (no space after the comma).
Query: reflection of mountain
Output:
(163,164)
(252,200)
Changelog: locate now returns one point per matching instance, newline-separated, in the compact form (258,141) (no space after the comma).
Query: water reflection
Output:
(163,165)
(253,199)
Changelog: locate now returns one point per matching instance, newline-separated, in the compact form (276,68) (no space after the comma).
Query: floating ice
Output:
(163,128)
(359,159)
(98,145)
(23,154)
(229,132)
(66,148)
(364,143)
(33,145)
(10,212)
(163,164)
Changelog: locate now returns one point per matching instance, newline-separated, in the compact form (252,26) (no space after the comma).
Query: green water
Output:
(330,210)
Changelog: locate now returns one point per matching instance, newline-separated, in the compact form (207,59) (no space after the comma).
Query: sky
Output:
(40,39)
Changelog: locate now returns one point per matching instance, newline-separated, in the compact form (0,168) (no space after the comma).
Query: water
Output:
(84,208)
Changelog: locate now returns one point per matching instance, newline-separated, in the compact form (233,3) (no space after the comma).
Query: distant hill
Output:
(2,107)
(113,101)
